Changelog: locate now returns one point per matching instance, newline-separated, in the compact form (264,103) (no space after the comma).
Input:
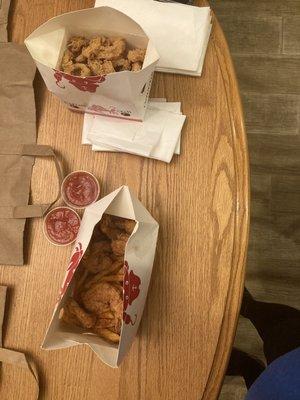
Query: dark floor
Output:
(264,38)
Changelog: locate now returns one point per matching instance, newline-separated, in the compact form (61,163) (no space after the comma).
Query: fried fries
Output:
(100,56)
(97,301)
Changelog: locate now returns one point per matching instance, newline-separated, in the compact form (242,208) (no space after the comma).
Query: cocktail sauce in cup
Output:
(61,226)
(80,189)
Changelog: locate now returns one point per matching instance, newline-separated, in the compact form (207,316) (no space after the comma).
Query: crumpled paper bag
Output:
(15,357)
(17,149)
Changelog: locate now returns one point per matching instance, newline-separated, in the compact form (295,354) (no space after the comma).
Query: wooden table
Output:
(201,202)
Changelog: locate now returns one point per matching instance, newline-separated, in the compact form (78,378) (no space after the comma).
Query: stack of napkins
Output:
(158,136)
(180,32)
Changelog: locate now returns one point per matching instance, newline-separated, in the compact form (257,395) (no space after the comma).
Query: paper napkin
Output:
(179,32)
(154,102)
(156,137)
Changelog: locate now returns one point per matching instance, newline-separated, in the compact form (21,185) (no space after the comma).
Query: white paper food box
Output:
(139,257)
(120,94)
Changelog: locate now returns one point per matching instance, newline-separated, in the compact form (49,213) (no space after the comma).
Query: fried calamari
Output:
(100,55)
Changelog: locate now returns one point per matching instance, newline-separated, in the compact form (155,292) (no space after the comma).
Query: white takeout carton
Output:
(138,262)
(120,94)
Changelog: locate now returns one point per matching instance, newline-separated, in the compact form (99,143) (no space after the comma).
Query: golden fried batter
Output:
(136,66)
(136,55)
(101,263)
(101,247)
(124,224)
(99,296)
(108,335)
(97,302)
(93,48)
(108,228)
(121,64)
(113,324)
(78,69)
(67,59)
(100,56)
(80,59)
(76,43)
(113,52)
(73,312)
(101,67)
(118,245)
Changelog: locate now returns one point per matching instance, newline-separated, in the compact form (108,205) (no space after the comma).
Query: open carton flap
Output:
(47,43)
(138,263)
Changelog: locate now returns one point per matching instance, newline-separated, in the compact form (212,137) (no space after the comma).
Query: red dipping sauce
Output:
(80,189)
(61,226)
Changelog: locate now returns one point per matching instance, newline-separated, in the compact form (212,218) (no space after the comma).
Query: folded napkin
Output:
(179,32)
(156,137)
(154,102)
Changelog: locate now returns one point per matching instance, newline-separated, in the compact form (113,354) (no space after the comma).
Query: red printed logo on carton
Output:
(74,262)
(85,84)
(131,291)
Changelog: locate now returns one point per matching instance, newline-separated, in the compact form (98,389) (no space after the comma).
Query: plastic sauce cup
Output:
(61,226)
(79,189)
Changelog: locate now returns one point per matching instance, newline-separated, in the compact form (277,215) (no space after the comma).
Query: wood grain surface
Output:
(201,202)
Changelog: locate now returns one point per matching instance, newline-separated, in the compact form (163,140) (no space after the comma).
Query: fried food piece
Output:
(97,258)
(78,69)
(73,313)
(107,226)
(108,315)
(118,245)
(100,55)
(81,275)
(80,59)
(108,335)
(69,319)
(136,66)
(76,43)
(118,266)
(124,224)
(101,247)
(93,47)
(113,270)
(99,264)
(101,67)
(96,249)
(98,236)
(113,52)
(100,296)
(121,64)
(97,303)
(104,323)
(113,324)
(67,59)
(129,225)
(113,278)
(136,55)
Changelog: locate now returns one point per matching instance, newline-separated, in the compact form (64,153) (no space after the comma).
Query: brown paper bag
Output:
(15,174)
(17,149)
(4,7)
(15,357)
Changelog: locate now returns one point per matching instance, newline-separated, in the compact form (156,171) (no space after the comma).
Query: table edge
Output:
(242,216)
